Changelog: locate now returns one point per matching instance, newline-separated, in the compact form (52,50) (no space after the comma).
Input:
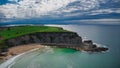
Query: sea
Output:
(102,35)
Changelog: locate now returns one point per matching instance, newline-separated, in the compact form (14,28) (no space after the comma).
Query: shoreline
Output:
(17,50)
(11,61)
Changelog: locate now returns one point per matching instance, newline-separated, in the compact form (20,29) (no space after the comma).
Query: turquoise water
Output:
(68,58)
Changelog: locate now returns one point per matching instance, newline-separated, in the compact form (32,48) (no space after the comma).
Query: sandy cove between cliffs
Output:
(18,51)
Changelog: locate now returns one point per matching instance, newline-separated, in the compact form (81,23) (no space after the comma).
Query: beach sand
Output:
(20,49)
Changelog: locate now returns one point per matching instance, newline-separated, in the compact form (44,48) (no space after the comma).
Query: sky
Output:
(60,12)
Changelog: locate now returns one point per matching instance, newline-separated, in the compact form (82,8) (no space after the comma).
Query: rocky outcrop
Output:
(89,46)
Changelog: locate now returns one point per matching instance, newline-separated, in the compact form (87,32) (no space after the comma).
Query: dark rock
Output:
(47,37)
(3,54)
(99,49)
(102,49)
(94,46)
(3,50)
(87,42)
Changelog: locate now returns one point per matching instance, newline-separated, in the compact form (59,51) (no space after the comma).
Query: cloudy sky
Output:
(60,11)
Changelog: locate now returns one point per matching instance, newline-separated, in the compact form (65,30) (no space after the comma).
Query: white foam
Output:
(100,45)
(12,60)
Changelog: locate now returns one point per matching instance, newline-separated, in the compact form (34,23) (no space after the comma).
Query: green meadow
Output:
(17,31)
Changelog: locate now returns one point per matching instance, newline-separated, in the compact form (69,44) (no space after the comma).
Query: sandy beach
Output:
(20,49)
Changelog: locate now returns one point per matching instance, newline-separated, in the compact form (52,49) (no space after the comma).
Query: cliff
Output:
(69,38)
(51,36)
(58,39)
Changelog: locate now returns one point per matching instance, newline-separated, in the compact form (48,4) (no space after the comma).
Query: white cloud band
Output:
(23,9)
(36,8)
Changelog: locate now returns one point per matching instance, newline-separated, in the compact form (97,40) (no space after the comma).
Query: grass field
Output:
(24,30)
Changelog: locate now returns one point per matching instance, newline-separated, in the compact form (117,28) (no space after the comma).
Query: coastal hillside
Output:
(13,36)
(45,35)
(12,32)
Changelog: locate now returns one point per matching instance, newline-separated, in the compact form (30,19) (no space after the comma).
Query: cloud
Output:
(37,8)
(111,10)
(57,9)
(32,8)
(98,21)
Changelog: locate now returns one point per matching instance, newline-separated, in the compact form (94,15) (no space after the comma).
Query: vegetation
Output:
(24,30)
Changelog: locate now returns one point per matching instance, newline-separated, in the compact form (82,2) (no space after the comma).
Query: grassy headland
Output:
(13,32)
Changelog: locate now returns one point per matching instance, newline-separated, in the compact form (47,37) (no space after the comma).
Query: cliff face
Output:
(57,37)
(68,38)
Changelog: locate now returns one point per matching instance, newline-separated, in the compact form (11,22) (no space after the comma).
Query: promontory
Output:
(45,35)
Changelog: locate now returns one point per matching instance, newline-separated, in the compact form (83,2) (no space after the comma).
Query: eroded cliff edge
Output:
(63,38)
(59,39)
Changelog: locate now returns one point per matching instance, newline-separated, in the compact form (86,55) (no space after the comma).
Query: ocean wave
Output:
(12,61)
(100,45)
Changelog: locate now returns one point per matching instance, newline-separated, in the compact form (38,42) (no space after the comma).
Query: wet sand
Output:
(20,49)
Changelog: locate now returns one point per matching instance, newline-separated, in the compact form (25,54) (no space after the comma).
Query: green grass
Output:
(24,30)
